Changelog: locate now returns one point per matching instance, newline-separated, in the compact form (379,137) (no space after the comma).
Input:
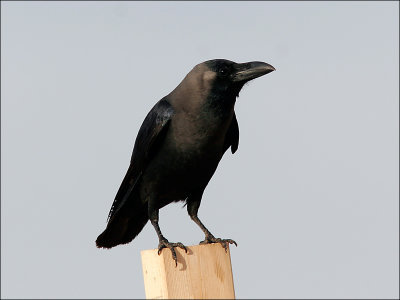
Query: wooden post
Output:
(204,272)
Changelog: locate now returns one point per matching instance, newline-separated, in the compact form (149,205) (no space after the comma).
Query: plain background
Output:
(311,196)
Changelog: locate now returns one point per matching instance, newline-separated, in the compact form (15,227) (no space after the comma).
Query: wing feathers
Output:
(150,135)
(232,136)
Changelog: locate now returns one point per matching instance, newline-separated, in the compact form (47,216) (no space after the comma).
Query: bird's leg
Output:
(193,207)
(163,241)
(209,239)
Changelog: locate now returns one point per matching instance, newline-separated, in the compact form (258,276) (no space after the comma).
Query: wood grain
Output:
(205,272)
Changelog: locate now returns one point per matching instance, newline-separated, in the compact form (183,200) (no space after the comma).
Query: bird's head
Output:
(218,82)
(225,76)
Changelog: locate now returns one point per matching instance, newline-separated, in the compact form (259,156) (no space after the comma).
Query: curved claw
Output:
(160,249)
(224,242)
(180,245)
(165,244)
(231,242)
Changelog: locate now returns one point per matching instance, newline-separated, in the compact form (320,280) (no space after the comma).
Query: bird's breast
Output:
(187,158)
(201,133)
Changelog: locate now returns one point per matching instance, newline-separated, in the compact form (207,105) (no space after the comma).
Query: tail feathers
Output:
(122,229)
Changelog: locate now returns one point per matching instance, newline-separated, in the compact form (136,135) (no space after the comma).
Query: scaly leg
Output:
(193,205)
(163,241)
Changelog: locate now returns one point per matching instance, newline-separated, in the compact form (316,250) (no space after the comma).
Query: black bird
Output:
(177,151)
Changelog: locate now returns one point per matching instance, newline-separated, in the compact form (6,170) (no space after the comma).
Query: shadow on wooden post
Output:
(205,272)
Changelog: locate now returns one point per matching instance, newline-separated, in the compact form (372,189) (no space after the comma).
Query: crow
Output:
(177,150)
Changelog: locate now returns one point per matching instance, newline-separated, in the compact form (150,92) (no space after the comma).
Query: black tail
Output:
(122,229)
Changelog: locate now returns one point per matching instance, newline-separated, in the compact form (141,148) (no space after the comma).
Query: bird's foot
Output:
(210,239)
(165,244)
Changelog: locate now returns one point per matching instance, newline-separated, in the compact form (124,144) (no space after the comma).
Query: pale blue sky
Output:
(312,191)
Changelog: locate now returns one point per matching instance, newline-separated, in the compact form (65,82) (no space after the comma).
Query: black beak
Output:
(251,70)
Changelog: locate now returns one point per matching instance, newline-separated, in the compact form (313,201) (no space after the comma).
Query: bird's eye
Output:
(223,70)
